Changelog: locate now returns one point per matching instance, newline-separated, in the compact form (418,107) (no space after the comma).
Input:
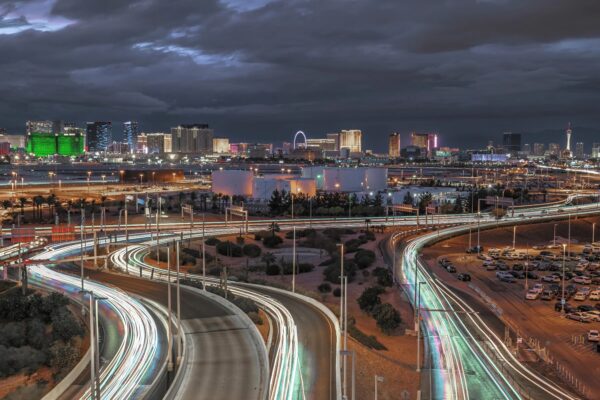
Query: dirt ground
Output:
(535,319)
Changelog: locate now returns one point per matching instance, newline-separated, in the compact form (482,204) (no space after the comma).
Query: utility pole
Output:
(294,261)
(203,256)
(169,325)
(179,331)
(81,243)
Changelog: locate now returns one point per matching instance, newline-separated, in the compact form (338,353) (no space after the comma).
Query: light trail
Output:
(137,358)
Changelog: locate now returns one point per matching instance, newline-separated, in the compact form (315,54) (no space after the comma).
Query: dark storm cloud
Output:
(262,69)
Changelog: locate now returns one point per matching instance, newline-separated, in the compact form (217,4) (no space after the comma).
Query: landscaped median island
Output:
(41,340)
(378,315)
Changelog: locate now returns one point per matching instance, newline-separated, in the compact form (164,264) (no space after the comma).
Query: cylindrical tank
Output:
(316,173)
(232,182)
(343,179)
(304,186)
(375,179)
(265,186)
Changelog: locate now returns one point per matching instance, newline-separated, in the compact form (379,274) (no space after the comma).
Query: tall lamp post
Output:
(562,300)
(593,232)
(343,317)
(377,380)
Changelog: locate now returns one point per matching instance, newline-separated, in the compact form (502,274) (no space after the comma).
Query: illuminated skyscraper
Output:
(352,140)
(538,149)
(596,150)
(194,139)
(394,145)
(38,127)
(98,135)
(579,152)
(130,133)
(221,145)
(428,141)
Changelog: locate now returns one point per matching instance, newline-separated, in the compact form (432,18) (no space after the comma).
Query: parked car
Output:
(585,308)
(507,278)
(547,295)
(463,277)
(451,269)
(580,296)
(584,280)
(592,317)
(490,267)
(595,295)
(576,316)
(550,278)
(538,287)
(593,335)
(532,275)
(532,295)
(558,307)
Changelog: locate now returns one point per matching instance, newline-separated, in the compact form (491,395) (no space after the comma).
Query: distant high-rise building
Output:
(336,138)
(321,144)
(538,149)
(141,147)
(98,135)
(38,127)
(427,141)
(511,142)
(579,152)
(221,145)
(351,139)
(394,145)
(596,150)
(158,143)
(193,139)
(526,148)
(130,133)
(554,149)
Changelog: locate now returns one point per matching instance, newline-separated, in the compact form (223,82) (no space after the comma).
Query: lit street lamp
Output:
(562,300)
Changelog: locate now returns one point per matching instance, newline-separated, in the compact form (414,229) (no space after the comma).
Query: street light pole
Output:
(554,241)
(203,255)
(593,232)
(294,260)
(562,301)
(377,379)
(179,332)
(346,353)
(514,237)
(418,289)
(81,243)
(342,315)
(170,331)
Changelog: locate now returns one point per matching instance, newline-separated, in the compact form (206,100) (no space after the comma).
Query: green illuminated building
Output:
(49,144)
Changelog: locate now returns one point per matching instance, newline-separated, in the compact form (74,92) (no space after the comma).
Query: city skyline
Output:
(400,68)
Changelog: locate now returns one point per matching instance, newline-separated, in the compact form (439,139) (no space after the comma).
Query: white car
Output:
(584,280)
(593,335)
(551,278)
(579,296)
(538,287)
(592,316)
(532,295)
(595,295)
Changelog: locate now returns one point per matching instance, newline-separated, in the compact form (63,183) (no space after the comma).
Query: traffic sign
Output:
(563,301)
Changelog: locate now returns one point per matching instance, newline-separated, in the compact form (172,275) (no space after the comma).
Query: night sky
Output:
(258,70)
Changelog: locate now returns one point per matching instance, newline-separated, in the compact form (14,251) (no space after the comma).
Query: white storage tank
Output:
(343,179)
(232,182)
(264,187)
(305,186)
(316,173)
(375,179)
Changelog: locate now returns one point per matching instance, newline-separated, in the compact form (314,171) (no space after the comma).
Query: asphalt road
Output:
(224,363)
(317,338)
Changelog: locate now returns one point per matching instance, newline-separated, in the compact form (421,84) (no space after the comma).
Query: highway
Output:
(222,362)
(135,347)
(468,359)
(296,374)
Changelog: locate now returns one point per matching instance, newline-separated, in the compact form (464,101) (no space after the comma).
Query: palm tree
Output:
(37,202)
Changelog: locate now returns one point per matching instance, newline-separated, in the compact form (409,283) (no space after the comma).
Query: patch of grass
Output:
(364,339)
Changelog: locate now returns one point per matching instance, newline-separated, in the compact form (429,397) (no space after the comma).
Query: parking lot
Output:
(509,277)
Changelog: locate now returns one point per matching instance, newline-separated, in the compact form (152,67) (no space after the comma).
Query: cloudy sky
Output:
(261,69)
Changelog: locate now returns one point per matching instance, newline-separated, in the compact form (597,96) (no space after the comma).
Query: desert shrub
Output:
(214,271)
(251,250)
(364,258)
(246,305)
(324,287)
(212,241)
(369,298)
(260,235)
(272,269)
(255,317)
(188,260)
(305,267)
(192,252)
(65,326)
(387,317)
(272,241)
(352,245)
(367,340)
(239,240)
(332,272)
(337,292)
(15,359)
(229,249)
(63,355)
(384,276)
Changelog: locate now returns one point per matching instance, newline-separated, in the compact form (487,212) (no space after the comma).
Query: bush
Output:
(364,258)
(255,317)
(192,252)
(229,249)
(387,317)
(239,240)
(162,255)
(246,305)
(369,341)
(15,359)
(212,241)
(272,241)
(305,267)
(332,272)
(324,287)
(273,269)
(352,245)
(63,355)
(369,298)
(65,326)
(337,292)
(251,250)
(384,276)
(188,260)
